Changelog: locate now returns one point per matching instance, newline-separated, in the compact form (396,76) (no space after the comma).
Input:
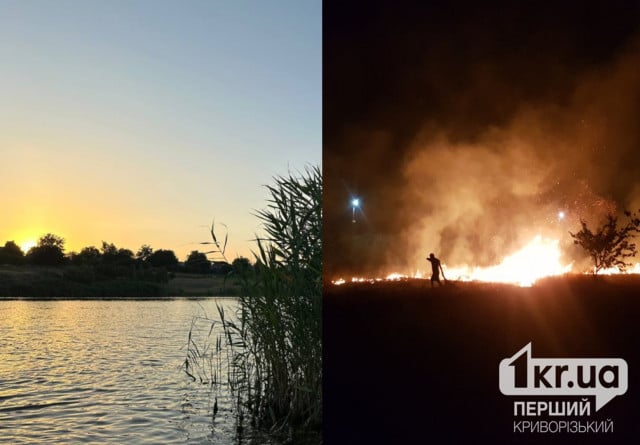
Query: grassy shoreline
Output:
(51,283)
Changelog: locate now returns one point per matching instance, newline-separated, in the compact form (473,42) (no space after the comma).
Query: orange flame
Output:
(540,258)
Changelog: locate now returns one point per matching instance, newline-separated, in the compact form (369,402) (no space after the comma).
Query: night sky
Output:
(465,128)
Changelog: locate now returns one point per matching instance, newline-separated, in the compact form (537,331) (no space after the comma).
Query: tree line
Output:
(113,261)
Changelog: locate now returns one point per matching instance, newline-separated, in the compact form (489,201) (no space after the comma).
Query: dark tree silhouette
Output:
(51,240)
(609,245)
(163,258)
(11,253)
(112,255)
(144,252)
(109,249)
(220,267)
(48,252)
(88,256)
(197,262)
(241,265)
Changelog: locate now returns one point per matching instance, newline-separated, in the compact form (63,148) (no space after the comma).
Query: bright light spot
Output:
(538,259)
(395,277)
(26,245)
(561,215)
(355,202)
(615,271)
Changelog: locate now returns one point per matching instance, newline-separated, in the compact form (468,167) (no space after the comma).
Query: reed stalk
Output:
(271,348)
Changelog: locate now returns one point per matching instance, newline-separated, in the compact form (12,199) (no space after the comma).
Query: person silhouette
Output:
(436,267)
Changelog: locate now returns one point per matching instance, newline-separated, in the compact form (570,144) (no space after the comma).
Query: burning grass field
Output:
(405,363)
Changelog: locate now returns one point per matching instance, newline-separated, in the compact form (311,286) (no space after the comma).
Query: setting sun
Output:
(28,244)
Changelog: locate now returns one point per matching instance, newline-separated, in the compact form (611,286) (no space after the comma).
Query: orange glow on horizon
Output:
(540,258)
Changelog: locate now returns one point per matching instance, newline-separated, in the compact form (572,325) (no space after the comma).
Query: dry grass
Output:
(403,362)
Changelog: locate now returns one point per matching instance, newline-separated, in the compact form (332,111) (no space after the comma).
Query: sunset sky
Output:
(138,122)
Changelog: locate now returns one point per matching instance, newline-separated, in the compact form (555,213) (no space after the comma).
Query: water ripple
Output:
(33,406)
(102,372)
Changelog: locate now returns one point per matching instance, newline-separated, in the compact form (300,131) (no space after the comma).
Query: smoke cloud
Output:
(476,201)
(473,158)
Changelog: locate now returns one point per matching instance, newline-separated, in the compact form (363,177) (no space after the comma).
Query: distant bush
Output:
(221,268)
(48,252)
(163,258)
(609,245)
(11,254)
(197,262)
(88,256)
(241,266)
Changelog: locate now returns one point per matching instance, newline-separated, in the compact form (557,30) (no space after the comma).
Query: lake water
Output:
(104,372)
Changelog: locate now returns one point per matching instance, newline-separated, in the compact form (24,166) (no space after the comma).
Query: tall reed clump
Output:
(275,361)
